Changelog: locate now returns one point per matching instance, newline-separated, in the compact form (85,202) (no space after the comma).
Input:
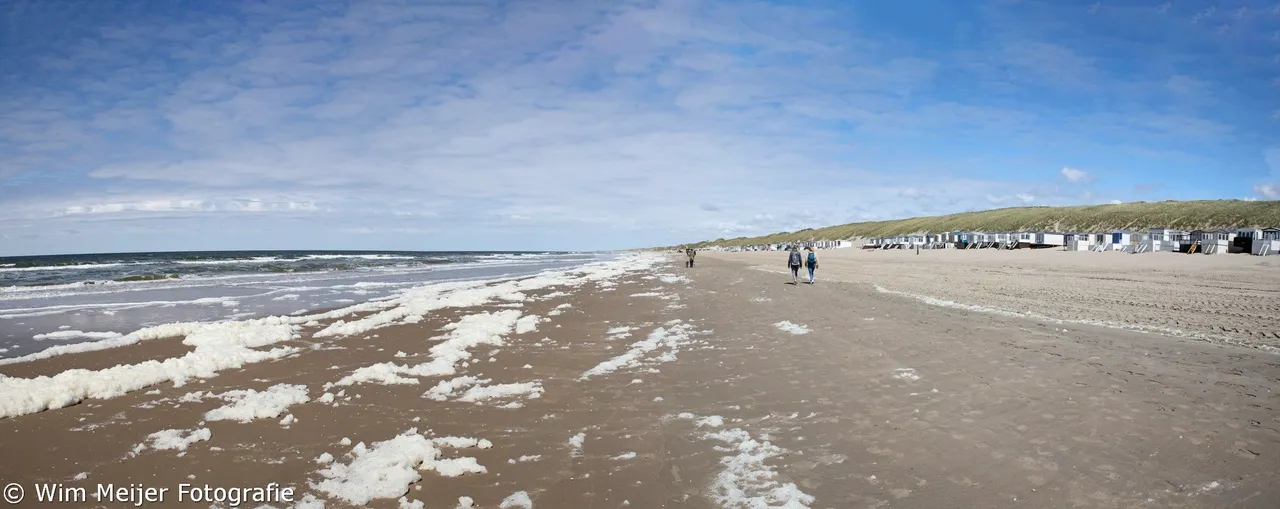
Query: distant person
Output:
(690,253)
(793,261)
(811,263)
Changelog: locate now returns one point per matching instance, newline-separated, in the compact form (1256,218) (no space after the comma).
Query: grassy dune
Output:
(1186,215)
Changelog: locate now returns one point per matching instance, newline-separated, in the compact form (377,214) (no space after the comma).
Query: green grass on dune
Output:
(1186,215)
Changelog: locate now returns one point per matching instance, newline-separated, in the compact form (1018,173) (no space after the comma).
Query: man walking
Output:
(690,252)
(794,261)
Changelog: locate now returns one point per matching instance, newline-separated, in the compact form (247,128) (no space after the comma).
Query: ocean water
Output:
(52,300)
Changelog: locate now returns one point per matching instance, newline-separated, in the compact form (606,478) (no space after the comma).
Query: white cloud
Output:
(1270,191)
(1075,175)
(1025,198)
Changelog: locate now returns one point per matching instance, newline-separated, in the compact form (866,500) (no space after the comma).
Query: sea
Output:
(55,300)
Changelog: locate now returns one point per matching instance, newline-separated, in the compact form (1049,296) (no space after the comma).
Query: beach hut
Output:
(1243,243)
(1078,241)
(1025,239)
(1050,239)
(1121,239)
(1213,241)
(1267,242)
(1165,239)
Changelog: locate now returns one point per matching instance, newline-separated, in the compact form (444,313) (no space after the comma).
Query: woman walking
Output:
(811,263)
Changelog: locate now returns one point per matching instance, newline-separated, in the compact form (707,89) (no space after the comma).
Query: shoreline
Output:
(87,315)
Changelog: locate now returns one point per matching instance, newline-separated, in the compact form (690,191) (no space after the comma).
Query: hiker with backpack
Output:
(811,263)
(793,261)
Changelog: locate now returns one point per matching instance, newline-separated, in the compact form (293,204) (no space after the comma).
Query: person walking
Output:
(691,252)
(811,263)
(793,261)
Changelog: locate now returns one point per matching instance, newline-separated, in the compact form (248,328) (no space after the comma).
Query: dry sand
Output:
(884,402)
(1224,298)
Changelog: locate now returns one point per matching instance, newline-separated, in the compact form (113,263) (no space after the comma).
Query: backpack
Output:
(813,260)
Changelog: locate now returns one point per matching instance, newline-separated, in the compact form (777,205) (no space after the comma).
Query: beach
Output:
(1232,299)
(946,379)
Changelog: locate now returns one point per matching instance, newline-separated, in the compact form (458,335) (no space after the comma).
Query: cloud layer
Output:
(581,125)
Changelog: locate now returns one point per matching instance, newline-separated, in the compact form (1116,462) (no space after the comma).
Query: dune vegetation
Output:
(1186,215)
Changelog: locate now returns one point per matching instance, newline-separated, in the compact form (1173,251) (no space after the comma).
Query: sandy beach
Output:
(1222,298)
(897,381)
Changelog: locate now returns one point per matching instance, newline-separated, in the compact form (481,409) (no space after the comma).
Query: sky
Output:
(580,125)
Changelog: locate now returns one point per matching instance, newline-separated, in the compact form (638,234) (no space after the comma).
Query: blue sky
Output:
(595,125)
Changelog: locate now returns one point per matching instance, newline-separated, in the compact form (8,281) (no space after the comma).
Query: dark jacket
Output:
(794,259)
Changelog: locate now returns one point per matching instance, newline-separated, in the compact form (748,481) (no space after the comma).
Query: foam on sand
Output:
(249,404)
(75,334)
(672,279)
(386,470)
(745,480)
(670,338)
(517,500)
(217,347)
(227,345)
(575,444)
(418,302)
(478,392)
(794,328)
(173,440)
(481,393)
(527,324)
(472,330)
(150,333)
(619,332)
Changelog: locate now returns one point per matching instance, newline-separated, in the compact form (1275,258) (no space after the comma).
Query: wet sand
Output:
(885,401)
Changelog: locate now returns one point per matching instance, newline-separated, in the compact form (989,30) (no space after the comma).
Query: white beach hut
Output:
(1121,239)
(1050,239)
(1078,241)
(1267,243)
(1165,239)
(1025,239)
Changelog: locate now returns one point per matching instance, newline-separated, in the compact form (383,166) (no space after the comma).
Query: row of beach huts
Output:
(1256,241)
